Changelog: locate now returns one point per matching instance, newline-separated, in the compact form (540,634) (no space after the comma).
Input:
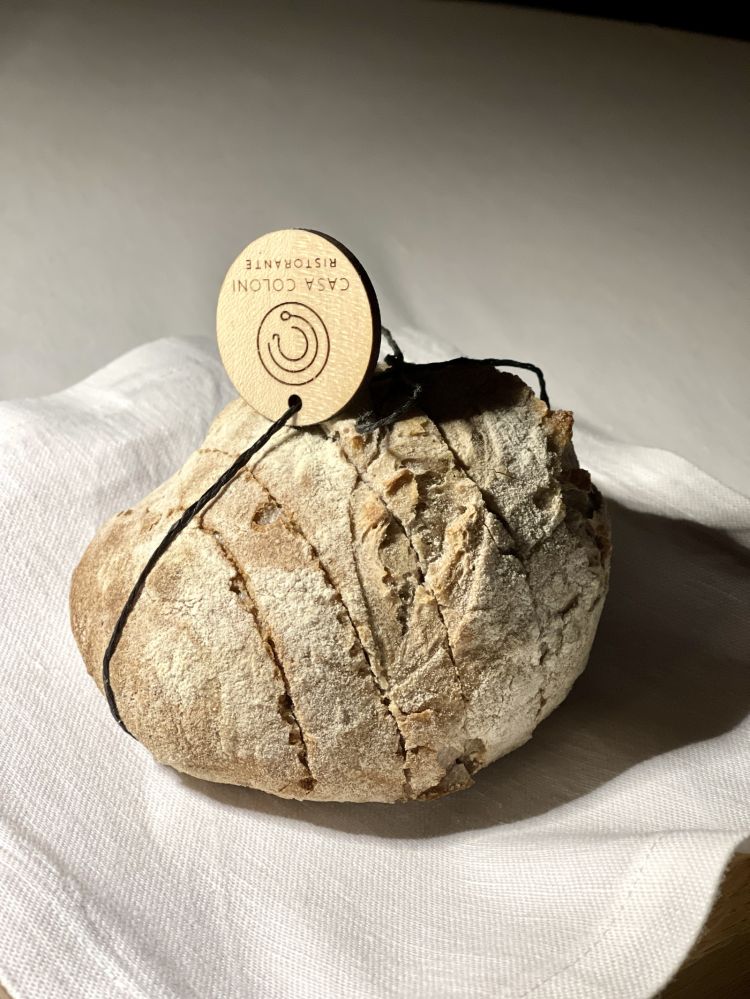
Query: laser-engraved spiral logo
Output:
(293,343)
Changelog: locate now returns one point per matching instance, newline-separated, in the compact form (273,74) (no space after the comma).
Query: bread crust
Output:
(357,618)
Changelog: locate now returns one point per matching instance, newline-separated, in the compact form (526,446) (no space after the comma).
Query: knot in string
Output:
(408,374)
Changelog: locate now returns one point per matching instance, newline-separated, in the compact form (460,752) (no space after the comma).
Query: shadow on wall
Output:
(711,19)
(668,669)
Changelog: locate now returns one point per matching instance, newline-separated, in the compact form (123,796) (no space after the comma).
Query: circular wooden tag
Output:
(297,315)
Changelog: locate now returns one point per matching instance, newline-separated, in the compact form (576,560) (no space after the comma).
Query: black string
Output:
(179,525)
(406,371)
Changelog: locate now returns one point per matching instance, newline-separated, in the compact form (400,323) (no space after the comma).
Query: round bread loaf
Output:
(357,617)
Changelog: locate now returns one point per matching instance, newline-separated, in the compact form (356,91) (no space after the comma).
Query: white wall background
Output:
(554,188)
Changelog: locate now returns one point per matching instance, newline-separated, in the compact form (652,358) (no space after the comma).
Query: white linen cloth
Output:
(582,865)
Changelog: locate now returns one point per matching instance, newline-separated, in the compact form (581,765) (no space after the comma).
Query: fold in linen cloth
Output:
(582,865)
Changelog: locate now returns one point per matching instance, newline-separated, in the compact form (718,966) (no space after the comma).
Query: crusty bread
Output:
(357,617)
